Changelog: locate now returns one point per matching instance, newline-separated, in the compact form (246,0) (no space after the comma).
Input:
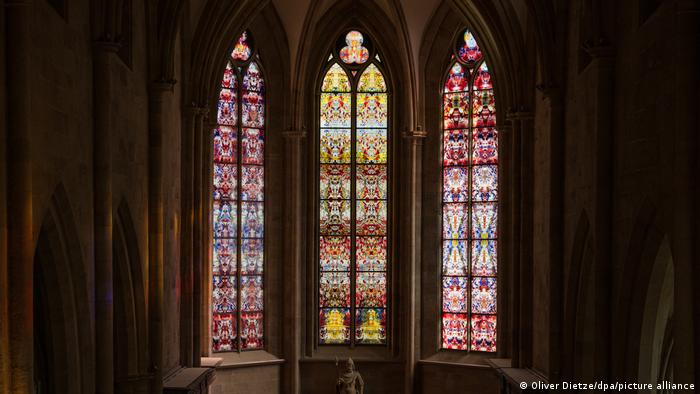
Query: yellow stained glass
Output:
(372,80)
(336,80)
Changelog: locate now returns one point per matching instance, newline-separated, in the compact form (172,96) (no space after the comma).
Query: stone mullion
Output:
(293,247)
(410,277)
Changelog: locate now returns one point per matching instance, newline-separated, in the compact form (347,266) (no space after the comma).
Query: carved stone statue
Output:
(350,382)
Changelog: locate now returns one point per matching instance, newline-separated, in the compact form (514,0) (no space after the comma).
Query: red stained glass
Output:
(335,181)
(485,146)
(223,333)
(455,184)
(371,217)
(371,110)
(252,219)
(335,217)
(253,114)
(484,221)
(225,181)
(455,145)
(334,326)
(455,257)
(224,298)
(457,79)
(469,51)
(484,109)
(371,254)
(225,144)
(252,330)
(334,289)
(371,146)
(251,293)
(224,259)
(454,294)
(242,49)
(252,181)
(484,293)
(354,52)
(482,80)
(252,256)
(370,289)
(253,146)
(334,253)
(485,183)
(252,80)
(455,221)
(455,331)
(224,219)
(335,146)
(483,333)
(229,78)
(371,182)
(456,110)
(227,113)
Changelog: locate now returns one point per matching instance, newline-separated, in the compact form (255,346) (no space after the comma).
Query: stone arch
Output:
(130,323)
(61,304)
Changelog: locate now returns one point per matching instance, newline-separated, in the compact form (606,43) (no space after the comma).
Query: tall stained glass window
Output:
(238,204)
(353,196)
(469,202)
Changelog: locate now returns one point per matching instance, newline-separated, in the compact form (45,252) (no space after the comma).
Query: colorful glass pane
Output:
(457,79)
(335,109)
(336,80)
(335,146)
(371,182)
(371,80)
(371,254)
(334,253)
(484,257)
(252,219)
(335,181)
(371,110)
(455,184)
(334,289)
(456,110)
(484,220)
(225,181)
(484,295)
(252,330)
(227,113)
(252,256)
(252,181)
(485,183)
(335,217)
(225,144)
(334,325)
(482,80)
(354,52)
(371,146)
(253,114)
(370,326)
(469,51)
(252,80)
(253,146)
(454,257)
(455,145)
(454,221)
(251,293)
(224,258)
(485,146)
(370,289)
(223,335)
(455,331)
(483,109)
(224,214)
(242,50)
(371,217)
(229,78)
(483,333)
(454,294)
(224,297)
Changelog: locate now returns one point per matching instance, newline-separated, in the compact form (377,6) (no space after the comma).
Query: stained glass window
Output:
(469,202)
(354,197)
(238,215)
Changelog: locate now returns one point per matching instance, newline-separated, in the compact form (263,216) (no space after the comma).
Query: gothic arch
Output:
(130,331)
(62,302)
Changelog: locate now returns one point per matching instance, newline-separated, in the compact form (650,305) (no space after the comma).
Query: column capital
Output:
(418,134)
(521,113)
(194,110)
(161,86)
(294,134)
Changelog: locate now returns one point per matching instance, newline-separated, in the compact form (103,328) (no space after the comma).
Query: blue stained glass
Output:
(454,257)
(454,221)
(484,257)
(252,256)
(224,219)
(485,183)
(454,294)
(252,219)
(484,220)
(455,187)
(484,295)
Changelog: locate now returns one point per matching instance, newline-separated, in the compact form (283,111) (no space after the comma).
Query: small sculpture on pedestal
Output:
(350,382)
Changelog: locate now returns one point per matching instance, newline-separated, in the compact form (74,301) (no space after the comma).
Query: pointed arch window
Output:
(238,209)
(469,202)
(353,179)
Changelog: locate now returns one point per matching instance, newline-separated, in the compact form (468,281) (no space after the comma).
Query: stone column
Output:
(506,199)
(187,321)
(200,294)
(157,93)
(411,224)
(104,52)
(513,252)
(19,195)
(293,247)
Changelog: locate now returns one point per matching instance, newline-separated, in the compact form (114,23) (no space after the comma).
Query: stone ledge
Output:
(511,378)
(243,360)
(188,380)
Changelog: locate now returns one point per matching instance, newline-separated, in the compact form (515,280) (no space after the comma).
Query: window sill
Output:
(255,358)
(479,360)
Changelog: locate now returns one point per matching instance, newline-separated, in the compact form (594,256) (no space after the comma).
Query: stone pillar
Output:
(200,250)
(513,252)
(506,199)
(104,52)
(157,93)
(19,195)
(293,251)
(411,224)
(603,72)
